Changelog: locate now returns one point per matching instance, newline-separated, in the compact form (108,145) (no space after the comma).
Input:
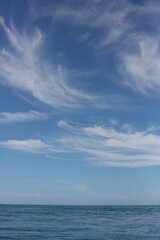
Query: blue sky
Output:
(79,112)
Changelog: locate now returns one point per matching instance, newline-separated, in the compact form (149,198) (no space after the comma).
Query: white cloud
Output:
(24,68)
(111,147)
(29,145)
(107,16)
(142,66)
(113,121)
(63,124)
(131,26)
(8,117)
(100,145)
(153,128)
(127,127)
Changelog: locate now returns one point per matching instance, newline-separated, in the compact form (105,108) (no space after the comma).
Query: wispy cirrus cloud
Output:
(142,66)
(106,17)
(8,117)
(107,146)
(28,145)
(100,145)
(23,67)
(131,27)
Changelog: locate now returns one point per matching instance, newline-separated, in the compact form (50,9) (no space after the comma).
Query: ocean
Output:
(30,222)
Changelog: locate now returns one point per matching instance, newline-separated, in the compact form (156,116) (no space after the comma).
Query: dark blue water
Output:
(79,222)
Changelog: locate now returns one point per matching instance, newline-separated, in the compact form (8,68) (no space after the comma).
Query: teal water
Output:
(28,222)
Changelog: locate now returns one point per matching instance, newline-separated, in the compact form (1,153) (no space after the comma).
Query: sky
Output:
(80,97)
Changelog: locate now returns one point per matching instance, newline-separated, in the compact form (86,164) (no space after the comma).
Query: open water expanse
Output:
(29,222)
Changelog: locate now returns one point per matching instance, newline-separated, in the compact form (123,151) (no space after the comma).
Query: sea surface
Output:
(30,222)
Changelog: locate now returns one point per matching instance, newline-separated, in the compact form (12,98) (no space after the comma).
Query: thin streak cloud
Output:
(99,145)
(8,117)
(108,146)
(96,15)
(28,145)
